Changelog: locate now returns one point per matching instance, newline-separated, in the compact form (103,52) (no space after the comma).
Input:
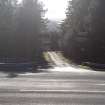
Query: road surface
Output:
(60,85)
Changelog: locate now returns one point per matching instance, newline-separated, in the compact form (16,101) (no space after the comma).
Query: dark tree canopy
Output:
(20,27)
(84,31)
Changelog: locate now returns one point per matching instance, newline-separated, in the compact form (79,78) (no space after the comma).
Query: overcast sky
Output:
(56,9)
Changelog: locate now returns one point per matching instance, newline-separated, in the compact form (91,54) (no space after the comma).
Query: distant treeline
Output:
(20,26)
(83,31)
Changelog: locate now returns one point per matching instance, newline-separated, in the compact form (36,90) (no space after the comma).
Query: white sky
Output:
(56,9)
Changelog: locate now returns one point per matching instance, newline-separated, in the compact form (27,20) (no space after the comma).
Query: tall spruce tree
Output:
(29,25)
(7,12)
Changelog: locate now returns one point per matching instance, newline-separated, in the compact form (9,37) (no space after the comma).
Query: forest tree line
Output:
(83,31)
(20,27)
